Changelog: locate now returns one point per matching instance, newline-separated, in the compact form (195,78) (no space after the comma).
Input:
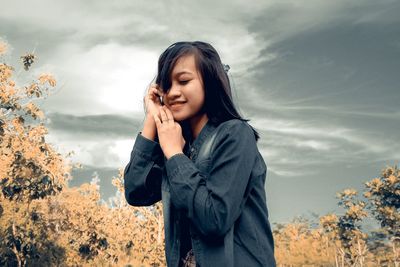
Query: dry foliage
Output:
(3,48)
(339,240)
(44,221)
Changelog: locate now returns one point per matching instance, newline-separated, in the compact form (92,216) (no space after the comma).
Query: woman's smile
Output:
(177,105)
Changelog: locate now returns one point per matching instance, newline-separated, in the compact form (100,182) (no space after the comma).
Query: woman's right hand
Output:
(152,103)
(152,100)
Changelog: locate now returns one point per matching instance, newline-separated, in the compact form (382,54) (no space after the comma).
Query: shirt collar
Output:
(204,133)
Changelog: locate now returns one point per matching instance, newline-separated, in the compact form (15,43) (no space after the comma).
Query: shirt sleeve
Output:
(213,203)
(143,173)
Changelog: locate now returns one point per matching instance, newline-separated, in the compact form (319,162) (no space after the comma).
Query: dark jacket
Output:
(221,194)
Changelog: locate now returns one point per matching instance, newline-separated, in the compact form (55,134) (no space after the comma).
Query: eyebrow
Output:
(182,72)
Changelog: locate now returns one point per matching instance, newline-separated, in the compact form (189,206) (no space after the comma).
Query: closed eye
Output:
(184,82)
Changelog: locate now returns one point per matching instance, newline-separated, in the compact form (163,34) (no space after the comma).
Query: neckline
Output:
(204,133)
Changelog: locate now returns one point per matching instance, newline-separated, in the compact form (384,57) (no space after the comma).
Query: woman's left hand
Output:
(169,133)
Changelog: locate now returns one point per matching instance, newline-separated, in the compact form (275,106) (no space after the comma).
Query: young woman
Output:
(200,157)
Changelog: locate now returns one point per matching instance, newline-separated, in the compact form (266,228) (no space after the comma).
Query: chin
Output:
(179,115)
(179,118)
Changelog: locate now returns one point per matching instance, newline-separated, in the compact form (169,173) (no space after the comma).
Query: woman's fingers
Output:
(152,99)
(154,93)
(170,117)
(169,132)
(157,121)
(157,89)
(163,115)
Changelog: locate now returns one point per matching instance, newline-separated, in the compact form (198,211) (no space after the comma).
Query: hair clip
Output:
(226,67)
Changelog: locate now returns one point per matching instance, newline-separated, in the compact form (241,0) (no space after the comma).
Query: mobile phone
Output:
(159,95)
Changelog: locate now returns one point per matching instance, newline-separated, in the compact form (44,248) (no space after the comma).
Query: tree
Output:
(44,221)
(384,196)
(30,170)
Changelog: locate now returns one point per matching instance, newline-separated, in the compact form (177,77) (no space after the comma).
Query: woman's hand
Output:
(152,101)
(169,133)
(152,104)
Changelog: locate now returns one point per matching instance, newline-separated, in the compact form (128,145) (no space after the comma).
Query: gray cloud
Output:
(94,126)
(327,87)
(346,58)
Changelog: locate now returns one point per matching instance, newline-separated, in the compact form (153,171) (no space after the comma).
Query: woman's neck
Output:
(197,123)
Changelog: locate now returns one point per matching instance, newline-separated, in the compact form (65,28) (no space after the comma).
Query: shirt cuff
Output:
(149,149)
(176,161)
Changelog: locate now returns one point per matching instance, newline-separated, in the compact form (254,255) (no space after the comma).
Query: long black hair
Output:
(218,104)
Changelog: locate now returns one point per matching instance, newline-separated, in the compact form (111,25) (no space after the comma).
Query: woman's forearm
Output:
(149,128)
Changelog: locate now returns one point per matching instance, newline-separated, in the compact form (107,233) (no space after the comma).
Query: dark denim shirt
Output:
(222,195)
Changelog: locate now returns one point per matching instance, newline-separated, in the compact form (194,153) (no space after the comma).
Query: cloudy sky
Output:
(318,79)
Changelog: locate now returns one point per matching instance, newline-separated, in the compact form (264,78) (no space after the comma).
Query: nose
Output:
(173,93)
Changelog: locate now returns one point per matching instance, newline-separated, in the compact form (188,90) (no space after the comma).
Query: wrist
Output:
(171,154)
(149,129)
(149,118)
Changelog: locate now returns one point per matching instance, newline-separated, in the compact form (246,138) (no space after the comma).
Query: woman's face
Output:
(186,95)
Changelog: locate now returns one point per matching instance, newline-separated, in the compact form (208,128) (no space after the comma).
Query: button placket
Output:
(192,152)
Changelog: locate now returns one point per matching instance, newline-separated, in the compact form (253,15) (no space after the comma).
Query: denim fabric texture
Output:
(221,194)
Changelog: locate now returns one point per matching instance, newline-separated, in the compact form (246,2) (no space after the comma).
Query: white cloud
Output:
(108,78)
(334,132)
(314,144)
(286,172)
(123,149)
(288,144)
(109,153)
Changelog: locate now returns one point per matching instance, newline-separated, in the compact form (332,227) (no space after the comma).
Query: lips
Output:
(176,104)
